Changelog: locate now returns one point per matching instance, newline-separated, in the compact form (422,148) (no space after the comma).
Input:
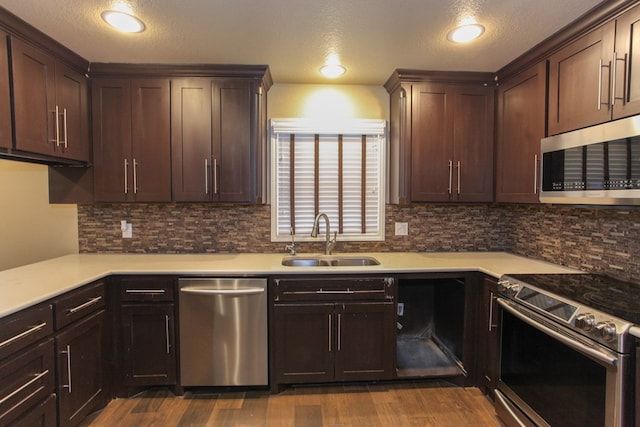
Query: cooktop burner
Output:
(612,296)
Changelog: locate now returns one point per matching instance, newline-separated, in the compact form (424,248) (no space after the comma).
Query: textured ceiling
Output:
(371,37)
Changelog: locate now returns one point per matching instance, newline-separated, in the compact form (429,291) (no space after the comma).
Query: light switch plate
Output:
(127,229)
(402,228)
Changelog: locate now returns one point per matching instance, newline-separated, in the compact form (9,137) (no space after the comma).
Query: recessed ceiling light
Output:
(123,21)
(465,33)
(332,70)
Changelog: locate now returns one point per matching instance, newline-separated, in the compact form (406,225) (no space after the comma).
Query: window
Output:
(335,168)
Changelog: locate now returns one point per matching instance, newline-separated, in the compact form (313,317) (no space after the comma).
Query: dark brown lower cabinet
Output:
(326,342)
(43,415)
(81,355)
(148,335)
(488,337)
(27,380)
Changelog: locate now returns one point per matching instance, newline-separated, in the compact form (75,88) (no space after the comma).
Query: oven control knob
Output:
(586,321)
(513,289)
(503,285)
(607,330)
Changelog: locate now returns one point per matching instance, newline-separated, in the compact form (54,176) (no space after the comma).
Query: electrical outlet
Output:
(402,228)
(127,229)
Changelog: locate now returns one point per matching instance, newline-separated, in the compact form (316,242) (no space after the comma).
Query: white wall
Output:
(327,101)
(31,229)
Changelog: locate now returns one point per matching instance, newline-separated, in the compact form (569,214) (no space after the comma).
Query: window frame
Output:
(328,127)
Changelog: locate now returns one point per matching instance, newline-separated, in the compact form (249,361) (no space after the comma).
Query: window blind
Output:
(330,169)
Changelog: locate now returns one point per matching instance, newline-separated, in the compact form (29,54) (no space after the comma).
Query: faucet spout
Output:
(330,243)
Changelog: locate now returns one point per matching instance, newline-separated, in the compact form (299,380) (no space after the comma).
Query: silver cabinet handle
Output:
(601,66)
(614,79)
(166,328)
(206,176)
(29,331)
(339,331)
(135,176)
(68,353)
(491,325)
(56,117)
(126,176)
(450,176)
(83,306)
(215,176)
(535,174)
(23,386)
(458,169)
(145,291)
(330,335)
(64,127)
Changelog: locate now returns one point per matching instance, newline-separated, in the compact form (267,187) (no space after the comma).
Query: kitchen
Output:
(593,239)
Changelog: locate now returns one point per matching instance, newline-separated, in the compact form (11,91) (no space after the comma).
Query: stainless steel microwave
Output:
(598,165)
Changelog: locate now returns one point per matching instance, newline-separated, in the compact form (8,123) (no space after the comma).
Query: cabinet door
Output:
(191,140)
(400,145)
(488,334)
(304,342)
(6,138)
(149,353)
(579,81)
(81,371)
(431,143)
(521,121)
(365,341)
(73,114)
(34,98)
(473,144)
(234,152)
(112,139)
(626,85)
(151,145)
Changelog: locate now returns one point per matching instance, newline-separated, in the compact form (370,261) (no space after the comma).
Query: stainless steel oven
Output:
(561,362)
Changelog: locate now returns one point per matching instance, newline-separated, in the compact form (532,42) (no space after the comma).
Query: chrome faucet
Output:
(330,243)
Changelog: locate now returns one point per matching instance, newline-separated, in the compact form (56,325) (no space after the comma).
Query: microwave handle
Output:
(593,353)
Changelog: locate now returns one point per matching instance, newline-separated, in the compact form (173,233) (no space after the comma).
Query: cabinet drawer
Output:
(333,289)
(147,288)
(26,379)
(24,328)
(43,415)
(79,303)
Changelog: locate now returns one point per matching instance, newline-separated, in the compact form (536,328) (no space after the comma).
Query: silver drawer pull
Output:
(348,291)
(23,386)
(83,306)
(145,291)
(23,334)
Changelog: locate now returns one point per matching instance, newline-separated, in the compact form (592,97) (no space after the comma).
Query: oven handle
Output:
(576,345)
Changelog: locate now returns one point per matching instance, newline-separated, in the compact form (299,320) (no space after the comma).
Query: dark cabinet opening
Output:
(430,322)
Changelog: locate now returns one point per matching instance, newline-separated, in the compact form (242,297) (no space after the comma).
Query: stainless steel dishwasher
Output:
(223,332)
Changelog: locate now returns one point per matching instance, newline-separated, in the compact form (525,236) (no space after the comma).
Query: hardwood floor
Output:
(373,405)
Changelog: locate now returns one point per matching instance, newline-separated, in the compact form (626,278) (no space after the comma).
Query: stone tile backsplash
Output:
(595,239)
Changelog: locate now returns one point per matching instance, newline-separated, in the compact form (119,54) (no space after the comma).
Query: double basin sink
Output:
(329,261)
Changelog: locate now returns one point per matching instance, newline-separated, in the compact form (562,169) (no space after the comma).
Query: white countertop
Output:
(28,285)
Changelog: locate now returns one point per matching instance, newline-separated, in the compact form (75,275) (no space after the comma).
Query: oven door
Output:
(550,375)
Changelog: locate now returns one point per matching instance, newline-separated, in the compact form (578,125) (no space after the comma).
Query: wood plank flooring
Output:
(372,405)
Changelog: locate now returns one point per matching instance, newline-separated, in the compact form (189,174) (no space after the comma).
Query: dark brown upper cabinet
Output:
(6,141)
(131,140)
(591,80)
(217,139)
(520,126)
(441,138)
(50,105)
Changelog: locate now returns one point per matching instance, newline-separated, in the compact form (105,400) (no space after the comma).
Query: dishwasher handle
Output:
(218,291)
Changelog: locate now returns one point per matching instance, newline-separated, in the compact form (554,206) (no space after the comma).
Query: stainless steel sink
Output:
(329,261)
